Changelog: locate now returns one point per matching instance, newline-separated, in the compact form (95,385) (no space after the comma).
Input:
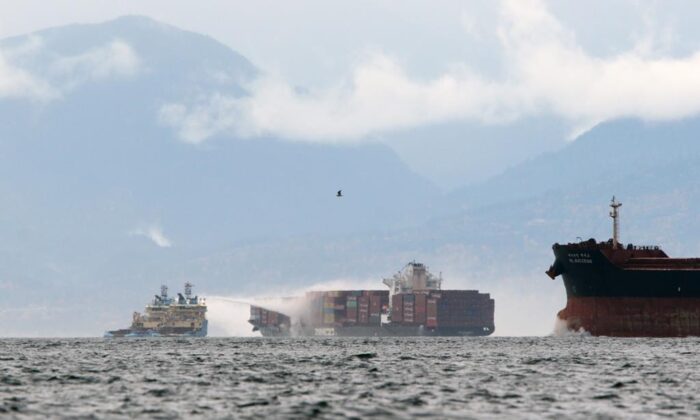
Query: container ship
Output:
(414,305)
(168,317)
(621,290)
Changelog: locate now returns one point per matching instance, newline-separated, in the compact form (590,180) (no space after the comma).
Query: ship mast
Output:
(614,213)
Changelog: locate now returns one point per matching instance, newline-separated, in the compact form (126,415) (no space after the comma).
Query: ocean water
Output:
(573,377)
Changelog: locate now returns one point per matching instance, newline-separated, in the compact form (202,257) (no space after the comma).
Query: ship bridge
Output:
(413,277)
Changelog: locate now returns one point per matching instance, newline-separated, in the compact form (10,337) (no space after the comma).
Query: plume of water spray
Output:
(562,330)
(228,316)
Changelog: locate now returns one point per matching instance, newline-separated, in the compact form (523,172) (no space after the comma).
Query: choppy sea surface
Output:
(574,377)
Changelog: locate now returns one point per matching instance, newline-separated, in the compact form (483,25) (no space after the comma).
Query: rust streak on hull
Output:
(633,316)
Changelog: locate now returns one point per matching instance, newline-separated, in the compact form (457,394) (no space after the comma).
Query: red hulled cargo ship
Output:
(626,290)
(414,305)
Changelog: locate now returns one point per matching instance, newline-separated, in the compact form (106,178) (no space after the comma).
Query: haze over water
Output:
(573,376)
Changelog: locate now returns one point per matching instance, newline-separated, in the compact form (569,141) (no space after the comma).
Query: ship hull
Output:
(386,330)
(633,316)
(611,299)
(161,332)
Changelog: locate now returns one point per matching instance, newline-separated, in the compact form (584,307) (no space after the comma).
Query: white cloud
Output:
(553,74)
(113,60)
(545,72)
(380,96)
(18,83)
(31,45)
(214,114)
(155,234)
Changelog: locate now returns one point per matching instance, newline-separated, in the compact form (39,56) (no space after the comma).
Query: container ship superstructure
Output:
(414,305)
(621,290)
(169,317)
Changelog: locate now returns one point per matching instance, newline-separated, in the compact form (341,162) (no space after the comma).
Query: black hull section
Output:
(589,273)
(406,331)
(386,330)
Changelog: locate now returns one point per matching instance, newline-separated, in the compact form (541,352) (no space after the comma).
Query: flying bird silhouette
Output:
(339,193)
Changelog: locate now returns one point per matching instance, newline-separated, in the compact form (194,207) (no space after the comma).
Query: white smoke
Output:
(344,284)
(523,313)
(155,234)
(525,304)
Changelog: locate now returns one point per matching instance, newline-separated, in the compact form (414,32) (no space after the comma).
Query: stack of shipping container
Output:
(261,316)
(443,308)
(364,308)
(345,308)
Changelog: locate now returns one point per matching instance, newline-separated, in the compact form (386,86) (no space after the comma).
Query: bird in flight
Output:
(339,193)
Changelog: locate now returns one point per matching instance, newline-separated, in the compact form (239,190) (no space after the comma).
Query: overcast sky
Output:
(372,67)
(317,41)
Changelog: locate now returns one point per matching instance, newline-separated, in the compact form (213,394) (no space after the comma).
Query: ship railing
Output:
(644,248)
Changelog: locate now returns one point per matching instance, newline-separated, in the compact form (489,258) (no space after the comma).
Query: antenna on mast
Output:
(164,291)
(614,213)
(188,290)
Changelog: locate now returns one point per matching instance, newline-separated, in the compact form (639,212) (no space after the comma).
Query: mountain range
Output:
(103,201)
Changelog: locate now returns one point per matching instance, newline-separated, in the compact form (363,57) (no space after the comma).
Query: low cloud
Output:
(18,83)
(380,96)
(61,74)
(113,60)
(212,115)
(546,72)
(155,234)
